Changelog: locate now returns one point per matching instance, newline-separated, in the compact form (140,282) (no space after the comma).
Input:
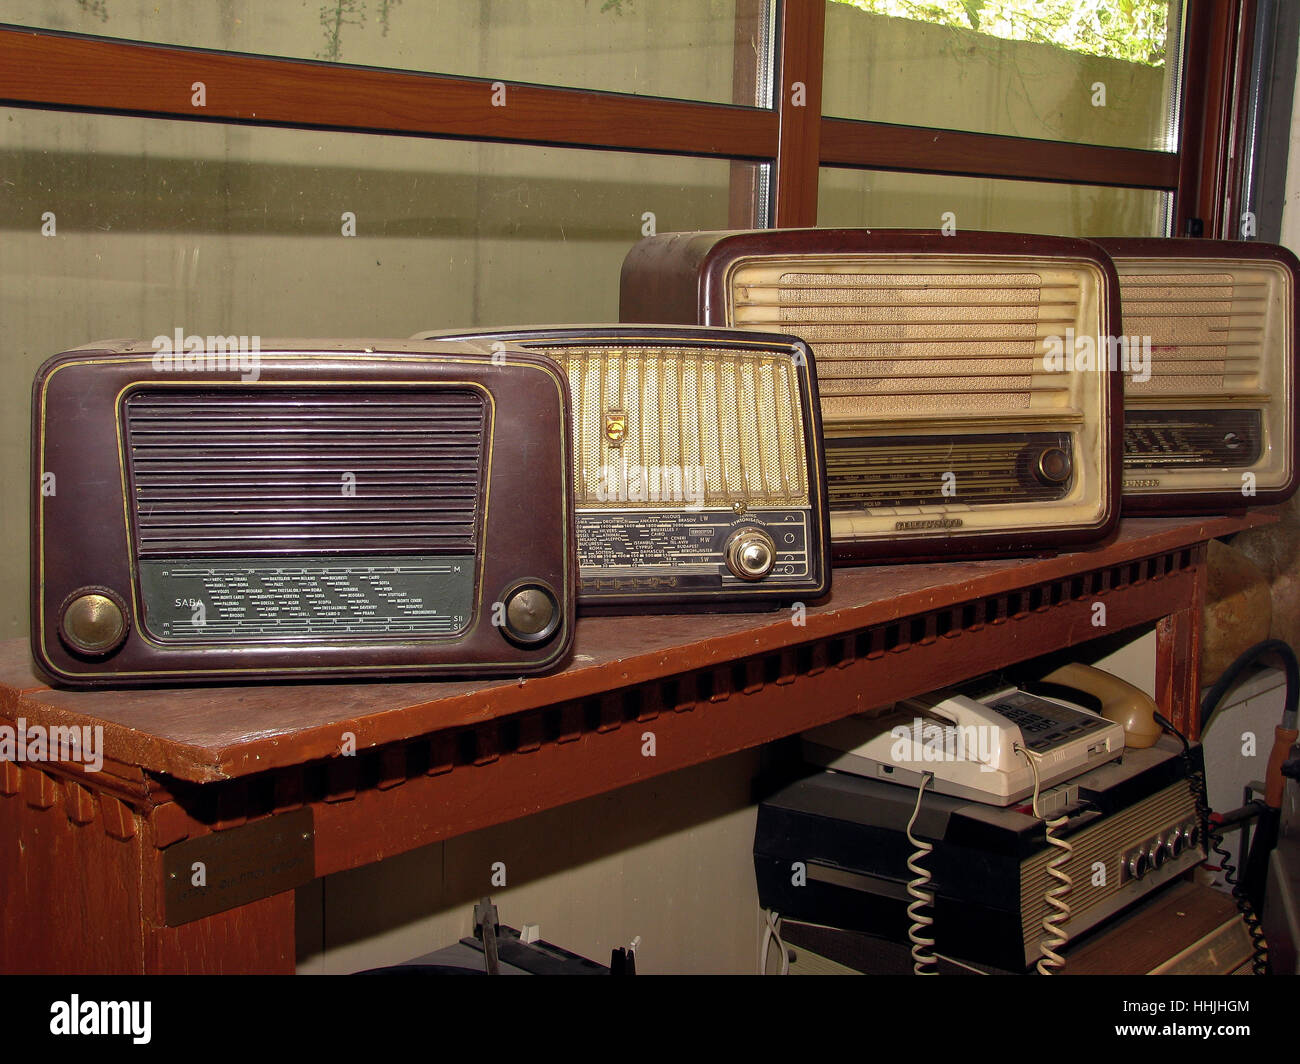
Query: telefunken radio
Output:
(966,383)
(1212,425)
(698,465)
(322,509)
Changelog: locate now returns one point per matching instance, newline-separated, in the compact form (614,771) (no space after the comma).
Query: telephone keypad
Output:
(1045,724)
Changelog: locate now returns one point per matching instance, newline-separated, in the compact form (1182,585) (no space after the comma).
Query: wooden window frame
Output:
(51,70)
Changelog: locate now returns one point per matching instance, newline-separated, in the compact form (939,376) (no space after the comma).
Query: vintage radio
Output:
(1210,408)
(697,465)
(309,509)
(1130,827)
(963,403)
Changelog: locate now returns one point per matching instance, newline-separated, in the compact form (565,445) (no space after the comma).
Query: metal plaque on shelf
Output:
(226,869)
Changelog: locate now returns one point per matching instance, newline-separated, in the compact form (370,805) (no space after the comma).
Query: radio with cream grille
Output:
(1210,423)
(698,464)
(968,398)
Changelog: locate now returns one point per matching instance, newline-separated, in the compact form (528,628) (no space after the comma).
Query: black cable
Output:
(1254,879)
(1213,841)
(1248,657)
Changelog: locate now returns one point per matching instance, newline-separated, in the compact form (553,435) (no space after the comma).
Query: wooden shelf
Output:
(434,760)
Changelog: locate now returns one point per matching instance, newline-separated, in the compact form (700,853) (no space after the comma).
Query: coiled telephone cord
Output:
(923,958)
(1214,844)
(1051,961)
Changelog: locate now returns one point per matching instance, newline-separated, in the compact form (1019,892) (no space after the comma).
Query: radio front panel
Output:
(697,465)
(1210,424)
(371,509)
(967,398)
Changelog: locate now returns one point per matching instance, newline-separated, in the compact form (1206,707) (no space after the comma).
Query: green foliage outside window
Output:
(1132,30)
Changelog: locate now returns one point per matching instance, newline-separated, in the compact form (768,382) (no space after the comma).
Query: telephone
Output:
(995,747)
(1128,706)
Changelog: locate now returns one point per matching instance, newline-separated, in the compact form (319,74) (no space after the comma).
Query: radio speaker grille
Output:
(310,470)
(730,419)
(891,344)
(1206,329)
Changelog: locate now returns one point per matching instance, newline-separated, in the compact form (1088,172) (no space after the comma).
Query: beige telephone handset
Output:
(1121,703)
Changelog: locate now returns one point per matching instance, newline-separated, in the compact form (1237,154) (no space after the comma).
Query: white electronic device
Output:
(981,751)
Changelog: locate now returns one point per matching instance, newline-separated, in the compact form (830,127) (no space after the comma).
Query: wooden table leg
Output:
(78,883)
(1178,655)
(255,939)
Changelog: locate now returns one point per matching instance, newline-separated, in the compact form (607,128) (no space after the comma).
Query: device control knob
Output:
(1156,851)
(750,553)
(531,613)
(1053,466)
(1137,863)
(1175,843)
(1192,834)
(93,622)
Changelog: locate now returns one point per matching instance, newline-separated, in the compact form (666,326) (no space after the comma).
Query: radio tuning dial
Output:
(93,622)
(750,554)
(531,614)
(1053,466)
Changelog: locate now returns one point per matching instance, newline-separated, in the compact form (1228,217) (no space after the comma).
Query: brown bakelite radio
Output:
(964,405)
(308,509)
(698,465)
(1210,406)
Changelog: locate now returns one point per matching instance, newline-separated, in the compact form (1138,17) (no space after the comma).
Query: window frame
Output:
(52,70)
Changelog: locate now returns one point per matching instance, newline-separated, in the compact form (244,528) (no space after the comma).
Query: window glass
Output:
(929,201)
(714,50)
(130,227)
(1090,71)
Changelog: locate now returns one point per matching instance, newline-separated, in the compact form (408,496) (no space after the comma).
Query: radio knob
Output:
(1053,466)
(531,615)
(1157,853)
(750,554)
(93,623)
(1137,864)
(1174,842)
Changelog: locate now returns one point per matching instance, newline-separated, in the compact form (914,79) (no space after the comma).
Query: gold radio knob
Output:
(532,613)
(1053,466)
(750,554)
(92,623)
